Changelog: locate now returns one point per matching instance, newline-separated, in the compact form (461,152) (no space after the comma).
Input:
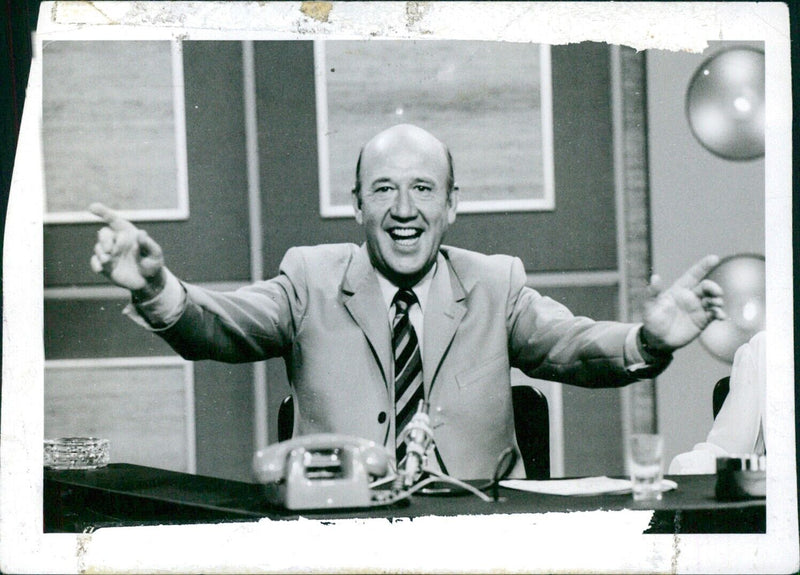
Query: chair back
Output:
(721,389)
(532,427)
(286,418)
(531,424)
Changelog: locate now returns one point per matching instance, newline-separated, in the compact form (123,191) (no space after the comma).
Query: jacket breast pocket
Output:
(494,370)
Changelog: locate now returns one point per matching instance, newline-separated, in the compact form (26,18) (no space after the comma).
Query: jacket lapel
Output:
(443,313)
(363,299)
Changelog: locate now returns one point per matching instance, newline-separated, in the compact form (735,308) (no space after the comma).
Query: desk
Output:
(124,495)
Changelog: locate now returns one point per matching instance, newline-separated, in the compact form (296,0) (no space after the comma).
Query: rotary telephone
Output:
(321,471)
(332,471)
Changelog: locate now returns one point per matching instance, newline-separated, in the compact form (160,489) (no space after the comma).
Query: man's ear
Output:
(452,204)
(355,197)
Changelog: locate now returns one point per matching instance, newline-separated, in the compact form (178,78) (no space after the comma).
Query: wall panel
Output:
(145,410)
(579,234)
(287,140)
(224,419)
(95,328)
(212,245)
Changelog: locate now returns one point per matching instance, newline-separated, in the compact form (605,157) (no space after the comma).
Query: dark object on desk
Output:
(531,423)
(721,389)
(127,495)
(741,477)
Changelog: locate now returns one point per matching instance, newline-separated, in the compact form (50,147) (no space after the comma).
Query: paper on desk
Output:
(583,486)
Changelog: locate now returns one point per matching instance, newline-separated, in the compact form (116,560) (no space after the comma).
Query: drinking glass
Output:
(646,465)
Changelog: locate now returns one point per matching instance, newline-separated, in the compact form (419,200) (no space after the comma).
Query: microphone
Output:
(418,437)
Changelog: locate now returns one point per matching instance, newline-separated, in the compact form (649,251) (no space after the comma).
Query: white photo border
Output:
(610,542)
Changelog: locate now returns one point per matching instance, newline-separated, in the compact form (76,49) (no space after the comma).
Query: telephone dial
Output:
(332,471)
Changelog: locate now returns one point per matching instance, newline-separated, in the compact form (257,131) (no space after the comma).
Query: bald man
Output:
(332,313)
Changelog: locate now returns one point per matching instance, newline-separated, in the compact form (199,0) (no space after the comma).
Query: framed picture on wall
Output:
(454,89)
(144,406)
(113,129)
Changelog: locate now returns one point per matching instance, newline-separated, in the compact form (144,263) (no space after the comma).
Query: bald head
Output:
(407,201)
(403,138)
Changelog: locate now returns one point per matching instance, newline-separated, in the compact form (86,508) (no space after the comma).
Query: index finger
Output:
(109,216)
(698,271)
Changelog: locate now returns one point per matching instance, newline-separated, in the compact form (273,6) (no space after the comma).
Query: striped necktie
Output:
(408,388)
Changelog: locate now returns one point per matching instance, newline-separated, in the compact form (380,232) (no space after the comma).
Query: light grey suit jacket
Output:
(324,314)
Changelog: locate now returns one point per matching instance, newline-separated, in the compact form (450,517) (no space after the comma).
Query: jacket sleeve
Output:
(547,341)
(253,323)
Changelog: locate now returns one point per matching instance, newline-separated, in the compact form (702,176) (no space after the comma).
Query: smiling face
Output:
(405,201)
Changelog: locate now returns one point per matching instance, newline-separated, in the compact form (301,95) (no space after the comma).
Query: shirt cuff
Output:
(163,310)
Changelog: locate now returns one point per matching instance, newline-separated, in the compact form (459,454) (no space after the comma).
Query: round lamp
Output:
(743,279)
(725,104)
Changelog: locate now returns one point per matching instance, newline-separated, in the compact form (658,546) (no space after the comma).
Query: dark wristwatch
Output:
(648,351)
(154,287)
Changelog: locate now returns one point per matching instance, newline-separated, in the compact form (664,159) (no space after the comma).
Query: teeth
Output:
(405,233)
(405,236)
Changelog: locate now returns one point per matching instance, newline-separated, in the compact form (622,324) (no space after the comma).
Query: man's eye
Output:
(423,188)
(382,189)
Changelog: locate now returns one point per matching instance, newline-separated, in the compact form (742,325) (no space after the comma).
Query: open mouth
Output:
(405,236)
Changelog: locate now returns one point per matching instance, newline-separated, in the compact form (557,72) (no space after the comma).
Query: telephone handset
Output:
(321,471)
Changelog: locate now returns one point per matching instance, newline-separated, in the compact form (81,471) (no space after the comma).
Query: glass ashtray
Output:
(75,453)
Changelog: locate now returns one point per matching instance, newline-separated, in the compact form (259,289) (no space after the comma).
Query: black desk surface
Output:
(123,494)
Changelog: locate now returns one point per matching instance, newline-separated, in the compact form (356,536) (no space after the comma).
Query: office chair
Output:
(532,427)
(721,389)
(286,418)
(531,424)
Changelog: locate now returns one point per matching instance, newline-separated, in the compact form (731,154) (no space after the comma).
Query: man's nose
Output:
(404,207)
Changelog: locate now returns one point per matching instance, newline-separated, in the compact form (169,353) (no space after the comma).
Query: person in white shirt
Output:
(738,428)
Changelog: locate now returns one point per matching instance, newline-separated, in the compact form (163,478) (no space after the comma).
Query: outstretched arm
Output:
(127,256)
(249,324)
(675,316)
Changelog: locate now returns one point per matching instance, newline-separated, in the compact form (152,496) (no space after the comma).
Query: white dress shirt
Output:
(417,311)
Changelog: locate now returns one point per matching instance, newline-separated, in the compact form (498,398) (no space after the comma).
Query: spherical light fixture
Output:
(725,104)
(743,279)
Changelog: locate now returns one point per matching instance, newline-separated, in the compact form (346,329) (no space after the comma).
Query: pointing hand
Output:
(125,254)
(678,314)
